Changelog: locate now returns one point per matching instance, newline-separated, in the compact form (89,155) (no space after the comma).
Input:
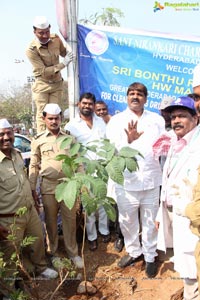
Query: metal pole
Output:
(31,80)
(72,71)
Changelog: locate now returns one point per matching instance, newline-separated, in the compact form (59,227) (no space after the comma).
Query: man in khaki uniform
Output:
(43,53)
(16,193)
(44,149)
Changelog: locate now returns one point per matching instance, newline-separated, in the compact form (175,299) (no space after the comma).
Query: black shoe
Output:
(92,245)
(151,269)
(106,238)
(128,260)
(119,245)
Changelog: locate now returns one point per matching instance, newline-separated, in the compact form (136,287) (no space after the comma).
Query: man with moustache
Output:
(43,53)
(44,148)
(16,193)
(179,177)
(87,127)
(138,197)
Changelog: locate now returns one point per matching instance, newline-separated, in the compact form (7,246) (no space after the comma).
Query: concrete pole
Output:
(72,71)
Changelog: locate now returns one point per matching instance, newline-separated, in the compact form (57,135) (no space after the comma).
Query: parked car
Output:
(23,143)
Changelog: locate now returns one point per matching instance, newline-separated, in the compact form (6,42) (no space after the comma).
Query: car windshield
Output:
(22,144)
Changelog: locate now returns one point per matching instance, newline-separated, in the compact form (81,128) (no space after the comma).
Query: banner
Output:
(111,58)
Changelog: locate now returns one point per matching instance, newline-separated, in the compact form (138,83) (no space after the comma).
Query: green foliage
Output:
(28,240)
(91,185)
(16,103)
(18,295)
(15,259)
(108,17)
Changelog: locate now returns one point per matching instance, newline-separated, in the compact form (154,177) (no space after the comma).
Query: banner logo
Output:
(96,42)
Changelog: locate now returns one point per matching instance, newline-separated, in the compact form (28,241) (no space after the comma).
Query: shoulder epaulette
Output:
(38,135)
(31,47)
(53,35)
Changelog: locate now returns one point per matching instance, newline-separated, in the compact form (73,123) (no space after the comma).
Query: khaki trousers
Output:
(44,93)
(51,208)
(27,225)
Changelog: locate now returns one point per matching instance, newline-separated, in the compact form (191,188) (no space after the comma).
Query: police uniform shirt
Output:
(45,58)
(15,188)
(44,149)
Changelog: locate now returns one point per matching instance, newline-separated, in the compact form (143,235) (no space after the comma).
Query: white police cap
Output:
(41,22)
(166,101)
(52,109)
(196,76)
(4,124)
(66,113)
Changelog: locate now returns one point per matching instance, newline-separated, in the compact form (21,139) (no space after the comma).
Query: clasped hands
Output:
(132,133)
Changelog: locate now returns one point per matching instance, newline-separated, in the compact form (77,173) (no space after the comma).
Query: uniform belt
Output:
(7,215)
(48,81)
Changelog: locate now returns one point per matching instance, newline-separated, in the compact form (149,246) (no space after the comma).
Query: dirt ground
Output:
(114,283)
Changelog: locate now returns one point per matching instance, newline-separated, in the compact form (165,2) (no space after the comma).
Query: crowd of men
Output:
(158,204)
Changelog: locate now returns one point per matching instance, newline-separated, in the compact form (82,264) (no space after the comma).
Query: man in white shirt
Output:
(179,177)
(87,127)
(138,128)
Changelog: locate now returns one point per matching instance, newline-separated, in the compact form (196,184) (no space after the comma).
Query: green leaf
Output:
(128,152)
(67,170)
(21,211)
(67,141)
(28,240)
(74,149)
(90,167)
(99,188)
(131,164)
(60,157)
(114,172)
(82,150)
(102,173)
(110,211)
(88,202)
(13,256)
(110,154)
(59,191)
(119,162)
(81,160)
(70,194)
(92,148)
(67,191)
(102,154)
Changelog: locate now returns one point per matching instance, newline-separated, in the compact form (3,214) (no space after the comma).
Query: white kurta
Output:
(140,191)
(177,187)
(149,174)
(80,130)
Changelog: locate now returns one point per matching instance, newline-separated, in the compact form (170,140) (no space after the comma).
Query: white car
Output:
(23,143)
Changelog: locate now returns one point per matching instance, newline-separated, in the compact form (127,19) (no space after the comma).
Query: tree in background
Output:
(107,18)
(16,104)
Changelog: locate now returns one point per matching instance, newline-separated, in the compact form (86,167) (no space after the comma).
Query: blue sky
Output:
(16,19)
